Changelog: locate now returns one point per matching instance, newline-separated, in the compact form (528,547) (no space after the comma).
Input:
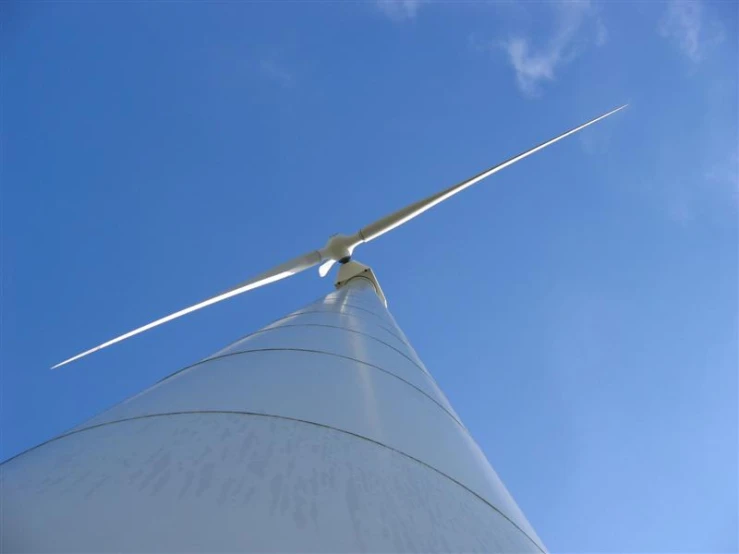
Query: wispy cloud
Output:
(277,72)
(710,189)
(726,172)
(399,10)
(685,24)
(601,33)
(576,25)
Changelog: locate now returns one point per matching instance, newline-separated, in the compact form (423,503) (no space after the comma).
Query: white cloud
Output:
(726,173)
(681,204)
(399,10)
(531,68)
(684,23)
(601,33)
(576,24)
(709,190)
(277,72)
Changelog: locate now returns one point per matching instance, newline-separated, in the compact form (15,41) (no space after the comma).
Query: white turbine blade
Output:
(325,267)
(392,221)
(287,269)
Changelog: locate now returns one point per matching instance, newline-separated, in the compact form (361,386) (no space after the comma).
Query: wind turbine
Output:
(323,431)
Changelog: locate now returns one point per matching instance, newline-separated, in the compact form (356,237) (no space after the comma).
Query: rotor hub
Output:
(340,248)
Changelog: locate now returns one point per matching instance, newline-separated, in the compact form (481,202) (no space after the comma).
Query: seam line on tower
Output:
(330,311)
(270,329)
(295,314)
(274,325)
(378,316)
(287,418)
(323,352)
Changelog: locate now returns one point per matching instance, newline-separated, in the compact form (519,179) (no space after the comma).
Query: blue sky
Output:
(579,309)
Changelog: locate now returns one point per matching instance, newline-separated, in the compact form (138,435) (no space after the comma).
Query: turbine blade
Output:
(390,222)
(325,267)
(282,271)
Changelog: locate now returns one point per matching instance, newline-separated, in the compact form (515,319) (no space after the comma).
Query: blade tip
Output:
(67,361)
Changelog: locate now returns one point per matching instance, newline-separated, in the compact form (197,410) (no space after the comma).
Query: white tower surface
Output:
(322,432)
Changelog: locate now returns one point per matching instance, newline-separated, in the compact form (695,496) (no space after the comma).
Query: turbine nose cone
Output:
(340,247)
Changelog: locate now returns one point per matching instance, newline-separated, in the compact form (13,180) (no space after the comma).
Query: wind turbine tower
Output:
(321,432)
